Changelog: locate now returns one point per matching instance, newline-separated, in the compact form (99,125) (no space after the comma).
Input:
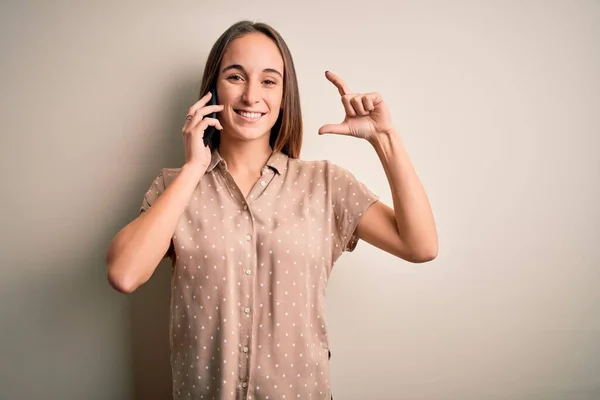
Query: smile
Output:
(250,116)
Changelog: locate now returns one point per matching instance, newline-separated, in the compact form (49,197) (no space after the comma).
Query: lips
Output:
(249,115)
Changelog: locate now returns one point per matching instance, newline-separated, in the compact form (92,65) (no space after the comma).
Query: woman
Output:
(253,231)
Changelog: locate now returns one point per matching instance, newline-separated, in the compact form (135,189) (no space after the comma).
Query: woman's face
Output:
(250,86)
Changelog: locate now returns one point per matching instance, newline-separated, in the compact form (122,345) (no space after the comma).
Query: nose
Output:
(251,93)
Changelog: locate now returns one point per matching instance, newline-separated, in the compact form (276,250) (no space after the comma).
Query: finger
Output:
(348,106)
(338,82)
(203,112)
(194,108)
(188,118)
(368,103)
(338,129)
(206,122)
(199,104)
(358,105)
(202,125)
(210,109)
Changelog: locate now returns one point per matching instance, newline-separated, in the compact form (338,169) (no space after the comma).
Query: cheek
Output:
(275,102)
(227,98)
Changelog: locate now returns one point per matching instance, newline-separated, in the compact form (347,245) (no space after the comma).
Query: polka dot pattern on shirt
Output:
(250,276)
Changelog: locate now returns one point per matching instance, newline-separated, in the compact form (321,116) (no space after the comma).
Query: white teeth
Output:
(250,115)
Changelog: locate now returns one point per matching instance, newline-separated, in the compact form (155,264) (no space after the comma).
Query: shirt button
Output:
(245,384)
(263,183)
(246,349)
(247,310)
(245,206)
(248,272)
(248,237)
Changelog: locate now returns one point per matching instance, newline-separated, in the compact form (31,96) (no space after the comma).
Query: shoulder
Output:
(169,174)
(165,176)
(159,183)
(326,175)
(323,168)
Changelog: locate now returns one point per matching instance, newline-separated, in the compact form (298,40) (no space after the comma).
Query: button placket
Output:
(259,187)
(233,188)
(247,296)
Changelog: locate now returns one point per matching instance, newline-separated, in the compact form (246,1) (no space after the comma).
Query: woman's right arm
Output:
(138,248)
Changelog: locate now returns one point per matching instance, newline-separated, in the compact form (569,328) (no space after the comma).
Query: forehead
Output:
(253,51)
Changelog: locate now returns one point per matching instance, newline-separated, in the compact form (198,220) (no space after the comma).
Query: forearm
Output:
(414,217)
(138,248)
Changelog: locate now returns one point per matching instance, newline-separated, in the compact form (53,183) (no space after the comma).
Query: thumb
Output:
(339,129)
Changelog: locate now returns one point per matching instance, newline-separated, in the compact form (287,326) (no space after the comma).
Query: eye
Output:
(234,77)
(269,82)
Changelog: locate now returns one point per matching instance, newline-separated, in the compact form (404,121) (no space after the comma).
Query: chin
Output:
(251,127)
(251,134)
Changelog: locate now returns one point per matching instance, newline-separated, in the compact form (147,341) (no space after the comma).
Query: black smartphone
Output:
(211,130)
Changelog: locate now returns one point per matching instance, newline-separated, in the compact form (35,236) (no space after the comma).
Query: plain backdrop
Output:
(497,102)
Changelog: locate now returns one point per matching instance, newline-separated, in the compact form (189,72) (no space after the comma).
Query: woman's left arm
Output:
(408,230)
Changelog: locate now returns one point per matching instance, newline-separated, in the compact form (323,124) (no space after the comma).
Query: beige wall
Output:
(498,103)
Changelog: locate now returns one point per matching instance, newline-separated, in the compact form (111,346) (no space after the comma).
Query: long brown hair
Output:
(286,134)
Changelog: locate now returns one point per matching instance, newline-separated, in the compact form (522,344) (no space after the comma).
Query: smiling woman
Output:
(247,62)
(253,232)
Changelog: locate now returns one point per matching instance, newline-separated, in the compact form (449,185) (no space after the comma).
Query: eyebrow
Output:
(238,66)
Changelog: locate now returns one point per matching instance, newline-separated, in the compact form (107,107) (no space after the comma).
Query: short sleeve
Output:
(154,191)
(350,199)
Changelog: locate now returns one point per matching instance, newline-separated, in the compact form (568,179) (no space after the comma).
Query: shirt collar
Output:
(277,161)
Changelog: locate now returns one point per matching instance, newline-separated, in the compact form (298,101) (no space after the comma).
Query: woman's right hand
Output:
(196,153)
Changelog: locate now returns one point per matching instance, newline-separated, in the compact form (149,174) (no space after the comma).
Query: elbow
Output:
(121,282)
(118,277)
(427,250)
(423,254)
(118,285)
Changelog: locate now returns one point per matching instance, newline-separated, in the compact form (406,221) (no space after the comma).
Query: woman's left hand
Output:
(366,114)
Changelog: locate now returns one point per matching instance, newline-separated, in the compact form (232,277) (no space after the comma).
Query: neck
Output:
(245,157)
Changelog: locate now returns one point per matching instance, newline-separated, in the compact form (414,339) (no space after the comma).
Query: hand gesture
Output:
(196,122)
(366,113)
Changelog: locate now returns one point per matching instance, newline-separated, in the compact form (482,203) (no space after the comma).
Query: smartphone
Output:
(211,130)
